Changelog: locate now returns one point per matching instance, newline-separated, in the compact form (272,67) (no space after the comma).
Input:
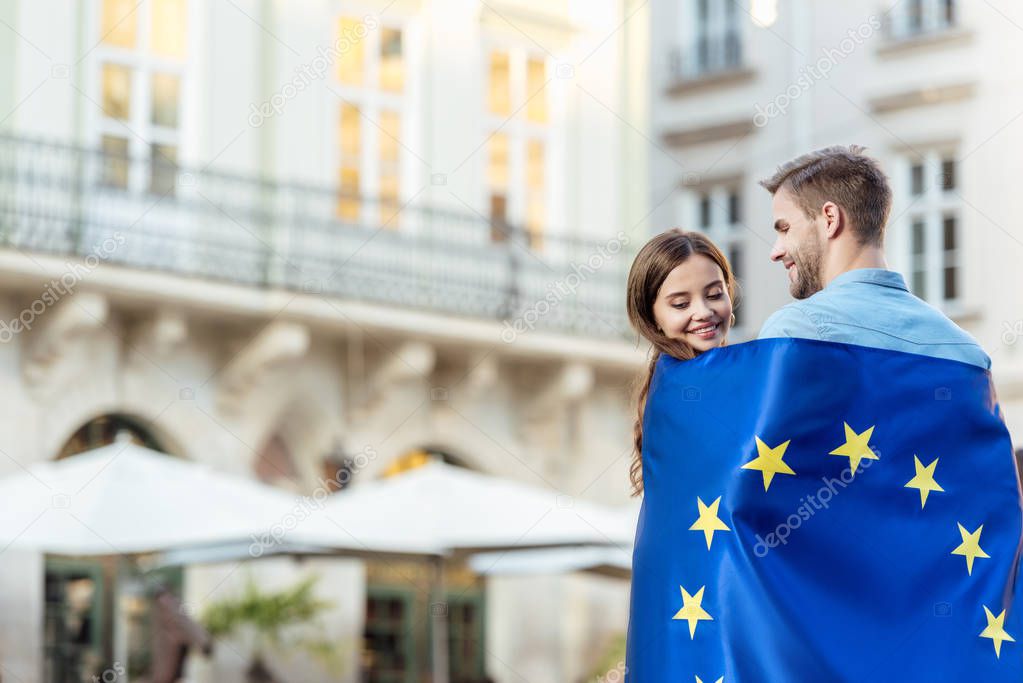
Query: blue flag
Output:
(825,512)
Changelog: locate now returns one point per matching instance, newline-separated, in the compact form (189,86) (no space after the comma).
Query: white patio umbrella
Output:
(464,512)
(611,562)
(123,499)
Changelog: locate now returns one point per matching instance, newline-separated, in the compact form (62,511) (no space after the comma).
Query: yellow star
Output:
(996,630)
(769,461)
(692,611)
(720,680)
(970,547)
(924,480)
(855,447)
(708,522)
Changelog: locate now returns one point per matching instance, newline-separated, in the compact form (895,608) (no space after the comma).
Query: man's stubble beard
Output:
(809,260)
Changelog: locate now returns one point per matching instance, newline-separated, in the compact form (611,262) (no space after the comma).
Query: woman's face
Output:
(693,305)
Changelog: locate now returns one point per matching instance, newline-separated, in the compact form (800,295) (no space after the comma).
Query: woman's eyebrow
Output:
(716,283)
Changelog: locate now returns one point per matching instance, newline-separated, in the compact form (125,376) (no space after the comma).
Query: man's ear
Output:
(833,219)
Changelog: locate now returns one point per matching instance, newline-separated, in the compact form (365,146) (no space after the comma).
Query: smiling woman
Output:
(680,297)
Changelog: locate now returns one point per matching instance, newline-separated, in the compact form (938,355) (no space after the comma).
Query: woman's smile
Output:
(706,332)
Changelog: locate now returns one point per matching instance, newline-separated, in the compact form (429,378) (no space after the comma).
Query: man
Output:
(830,209)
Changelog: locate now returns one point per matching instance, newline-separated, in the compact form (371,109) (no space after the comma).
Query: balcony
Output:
(921,23)
(71,202)
(710,60)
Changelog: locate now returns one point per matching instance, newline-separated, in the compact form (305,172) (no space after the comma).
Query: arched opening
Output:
(80,603)
(417,457)
(106,429)
(274,463)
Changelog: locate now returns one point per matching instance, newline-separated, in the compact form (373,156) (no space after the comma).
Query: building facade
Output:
(316,243)
(740,87)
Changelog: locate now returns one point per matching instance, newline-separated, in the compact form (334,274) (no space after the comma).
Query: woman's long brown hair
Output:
(653,263)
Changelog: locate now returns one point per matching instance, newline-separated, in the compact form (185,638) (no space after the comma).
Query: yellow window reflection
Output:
(497,169)
(536,205)
(351,65)
(116,84)
(350,134)
(392,67)
(536,90)
(497,179)
(499,99)
(350,131)
(390,169)
(118,23)
(169,28)
(348,196)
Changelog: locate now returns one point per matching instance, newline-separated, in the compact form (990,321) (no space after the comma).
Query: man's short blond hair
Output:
(845,176)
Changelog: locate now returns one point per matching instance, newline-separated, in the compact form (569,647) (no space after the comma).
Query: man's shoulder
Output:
(791,320)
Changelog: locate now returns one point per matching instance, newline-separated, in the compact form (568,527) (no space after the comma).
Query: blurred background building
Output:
(317,243)
(738,88)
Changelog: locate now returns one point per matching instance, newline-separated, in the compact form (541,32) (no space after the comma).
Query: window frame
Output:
(930,208)
(371,100)
(933,19)
(716,199)
(723,21)
(143,65)
(520,132)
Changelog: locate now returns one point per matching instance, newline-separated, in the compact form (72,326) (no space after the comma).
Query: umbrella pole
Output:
(439,614)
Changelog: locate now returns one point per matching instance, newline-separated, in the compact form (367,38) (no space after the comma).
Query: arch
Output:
(146,432)
(473,453)
(298,434)
(104,430)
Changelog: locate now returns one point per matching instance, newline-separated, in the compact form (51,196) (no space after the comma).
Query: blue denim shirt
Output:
(873,307)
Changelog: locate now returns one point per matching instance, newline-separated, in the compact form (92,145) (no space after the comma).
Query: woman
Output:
(680,298)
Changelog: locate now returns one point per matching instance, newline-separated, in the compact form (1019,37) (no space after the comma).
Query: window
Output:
(933,223)
(141,59)
(388,645)
(712,39)
(465,636)
(518,116)
(913,18)
(372,76)
(717,212)
(73,620)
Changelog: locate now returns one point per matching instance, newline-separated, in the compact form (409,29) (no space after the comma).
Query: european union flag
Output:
(825,512)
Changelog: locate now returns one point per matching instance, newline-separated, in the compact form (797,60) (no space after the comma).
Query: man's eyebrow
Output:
(780,224)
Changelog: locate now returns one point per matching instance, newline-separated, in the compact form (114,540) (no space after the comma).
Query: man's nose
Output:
(777,252)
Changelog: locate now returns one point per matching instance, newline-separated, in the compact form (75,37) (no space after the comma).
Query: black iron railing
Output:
(71,201)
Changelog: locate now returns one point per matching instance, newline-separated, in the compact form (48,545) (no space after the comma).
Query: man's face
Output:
(800,246)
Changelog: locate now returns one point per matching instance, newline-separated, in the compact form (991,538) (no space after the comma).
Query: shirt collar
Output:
(873,276)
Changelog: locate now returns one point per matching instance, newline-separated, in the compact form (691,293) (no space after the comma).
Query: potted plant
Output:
(263,616)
